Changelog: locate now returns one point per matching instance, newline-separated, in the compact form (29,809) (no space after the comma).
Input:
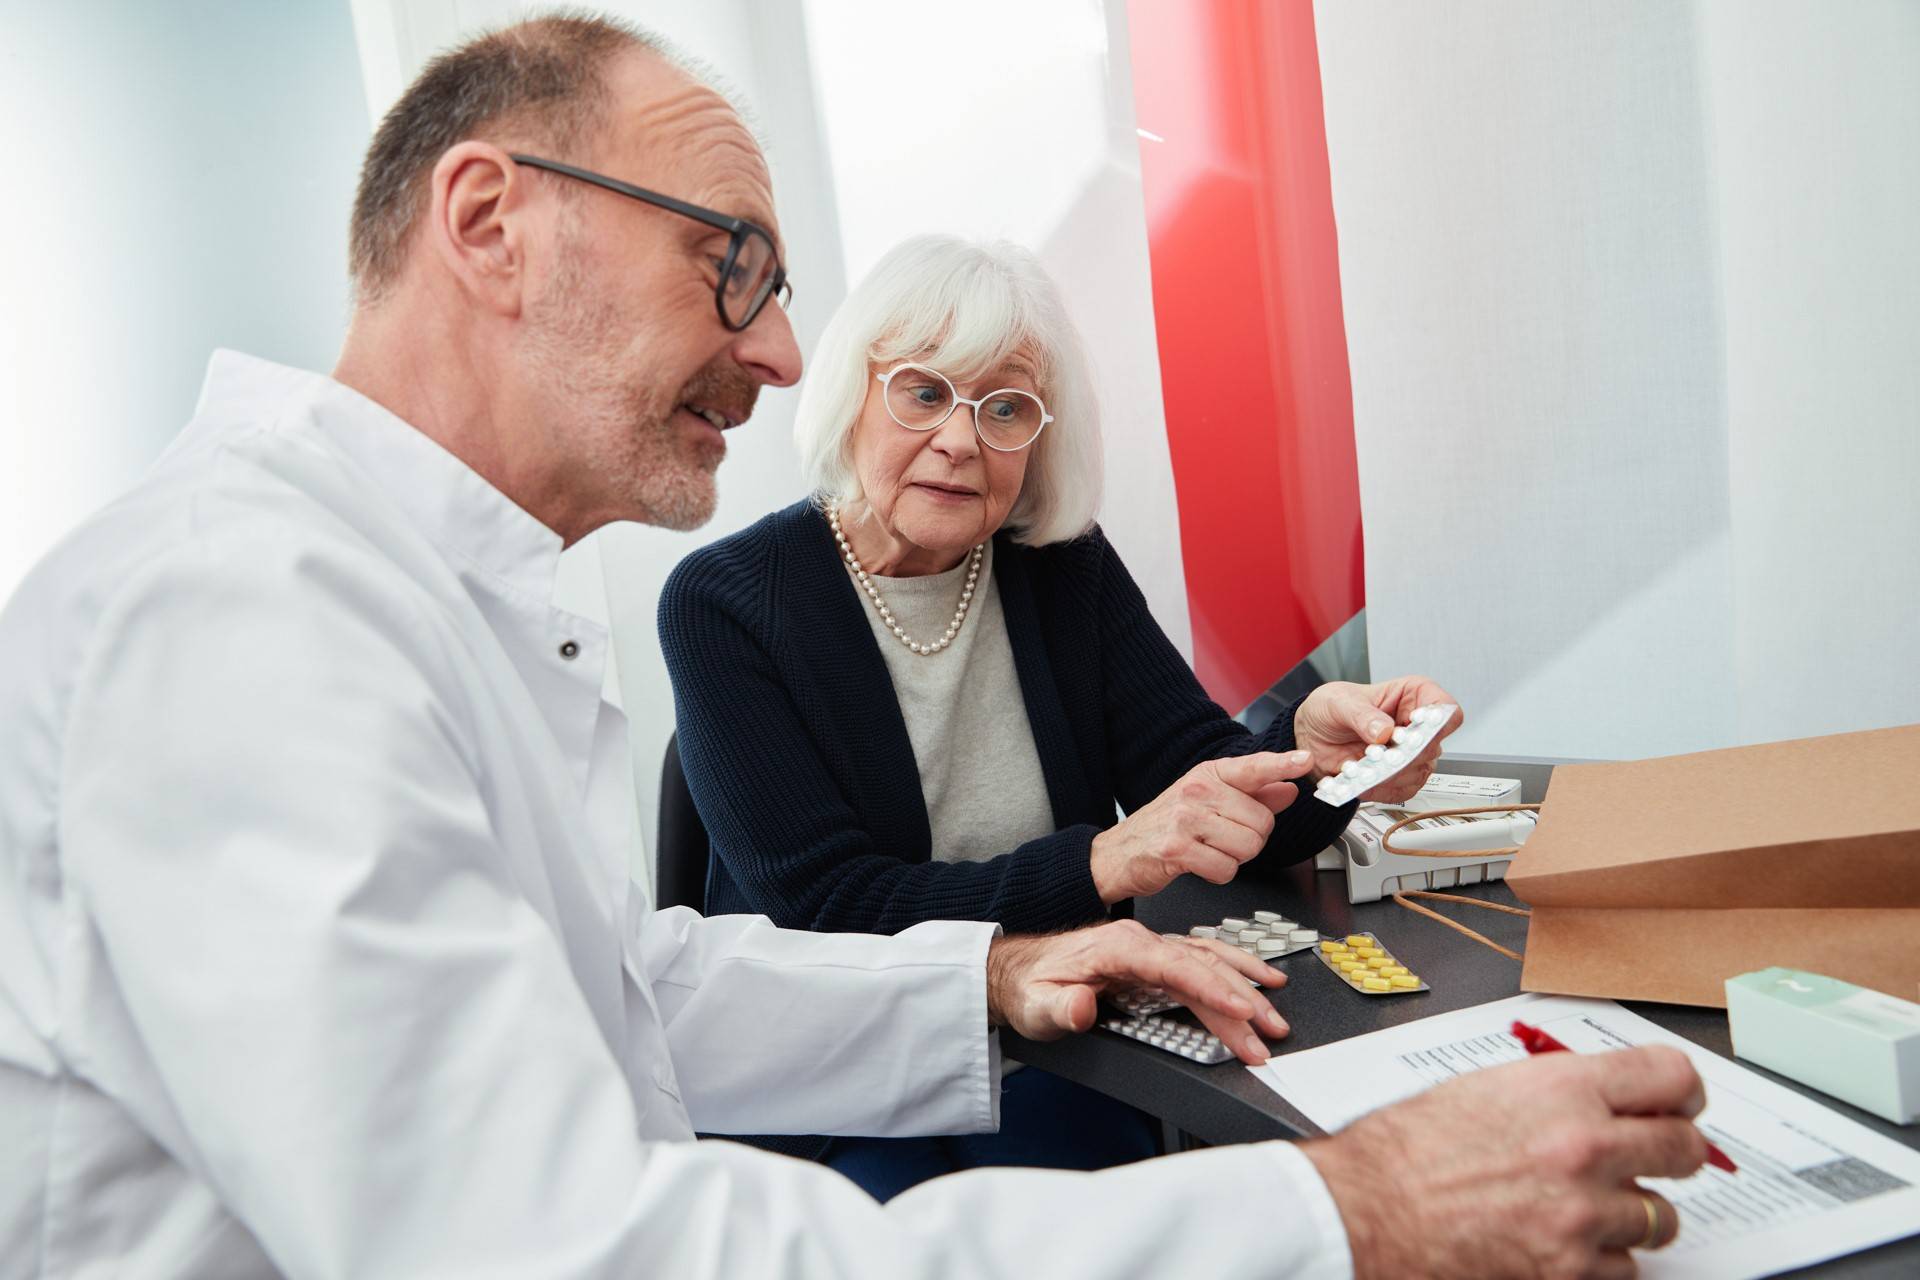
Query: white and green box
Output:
(1861,1046)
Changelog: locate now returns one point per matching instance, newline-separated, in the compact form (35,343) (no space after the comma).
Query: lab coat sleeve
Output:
(847,1033)
(343,1014)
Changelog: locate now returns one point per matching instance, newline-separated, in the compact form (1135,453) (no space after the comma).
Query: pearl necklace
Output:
(879,602)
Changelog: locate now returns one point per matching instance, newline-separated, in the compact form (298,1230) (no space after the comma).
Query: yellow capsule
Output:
(1379,962)
(1378,984)
(1352,966)
(1404,980)
(1368,953)
(1333,948)
(1392,970)
(1359,940)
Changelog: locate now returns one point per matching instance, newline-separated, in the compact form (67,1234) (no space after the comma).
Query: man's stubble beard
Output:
(620,428)
(667,477)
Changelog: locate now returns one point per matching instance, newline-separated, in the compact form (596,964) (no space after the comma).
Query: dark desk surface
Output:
(1225,1103)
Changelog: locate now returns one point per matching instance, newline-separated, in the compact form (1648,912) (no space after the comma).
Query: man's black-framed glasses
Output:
(751,272)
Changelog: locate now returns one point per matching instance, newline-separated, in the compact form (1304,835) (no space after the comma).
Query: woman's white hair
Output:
(963,308)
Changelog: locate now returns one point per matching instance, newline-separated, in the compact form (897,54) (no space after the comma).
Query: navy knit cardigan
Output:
(800,765)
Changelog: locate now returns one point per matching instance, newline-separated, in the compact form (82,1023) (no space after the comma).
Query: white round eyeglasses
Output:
(920,399)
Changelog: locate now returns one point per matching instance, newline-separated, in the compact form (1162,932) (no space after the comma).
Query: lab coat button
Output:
(569,650)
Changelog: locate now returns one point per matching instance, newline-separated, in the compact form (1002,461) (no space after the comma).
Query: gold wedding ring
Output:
(1652,1207)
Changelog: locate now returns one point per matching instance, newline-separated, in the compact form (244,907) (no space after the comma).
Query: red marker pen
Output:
(1534,1040)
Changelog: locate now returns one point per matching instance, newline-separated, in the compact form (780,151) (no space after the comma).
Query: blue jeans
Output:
(1045,1122)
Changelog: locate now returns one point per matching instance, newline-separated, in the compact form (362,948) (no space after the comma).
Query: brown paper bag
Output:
(1659,879)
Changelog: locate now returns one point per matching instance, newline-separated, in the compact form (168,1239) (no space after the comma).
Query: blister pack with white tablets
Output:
(1379,763)
(1266,935)
(1143,1003)
(1368,967)
(1196,1044)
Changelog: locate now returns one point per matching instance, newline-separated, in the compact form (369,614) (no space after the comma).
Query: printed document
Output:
(1812,1184)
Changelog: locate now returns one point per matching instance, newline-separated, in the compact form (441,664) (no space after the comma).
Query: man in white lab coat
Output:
(316,954)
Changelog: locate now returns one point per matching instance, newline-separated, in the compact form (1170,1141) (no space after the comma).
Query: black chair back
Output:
(682,851)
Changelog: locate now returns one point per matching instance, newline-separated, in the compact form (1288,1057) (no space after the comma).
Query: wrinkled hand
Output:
(1048,985)
(1210,822)
(1339,720)
(1524,1170)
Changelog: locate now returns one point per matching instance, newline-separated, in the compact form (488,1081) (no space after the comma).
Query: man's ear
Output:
(478,225)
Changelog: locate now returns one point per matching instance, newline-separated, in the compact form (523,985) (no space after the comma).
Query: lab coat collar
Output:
(465,517)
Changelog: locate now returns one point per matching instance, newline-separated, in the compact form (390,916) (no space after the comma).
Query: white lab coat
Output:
(316,957)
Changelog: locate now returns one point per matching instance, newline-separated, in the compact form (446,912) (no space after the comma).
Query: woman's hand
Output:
(1339,720)
(1212,820)
(1045,987)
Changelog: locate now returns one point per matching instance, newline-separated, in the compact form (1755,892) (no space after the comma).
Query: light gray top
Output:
(978,766)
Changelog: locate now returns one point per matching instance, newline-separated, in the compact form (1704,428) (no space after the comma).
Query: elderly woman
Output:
(922,693)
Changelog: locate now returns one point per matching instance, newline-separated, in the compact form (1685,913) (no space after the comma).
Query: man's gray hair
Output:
(540,82)
(962,308)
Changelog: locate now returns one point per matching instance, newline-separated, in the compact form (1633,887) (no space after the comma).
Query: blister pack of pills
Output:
(1194,1043)
(1368,967)
(1266,934)
(1143,1003)
(1379,763)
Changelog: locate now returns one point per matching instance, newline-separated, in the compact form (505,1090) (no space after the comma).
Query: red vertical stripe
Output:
(1253,347)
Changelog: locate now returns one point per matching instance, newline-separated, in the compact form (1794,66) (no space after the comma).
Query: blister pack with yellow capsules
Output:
(1368,967)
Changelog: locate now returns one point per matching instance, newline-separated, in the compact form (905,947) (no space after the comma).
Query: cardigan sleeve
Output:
(787,833)
(1161,723)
